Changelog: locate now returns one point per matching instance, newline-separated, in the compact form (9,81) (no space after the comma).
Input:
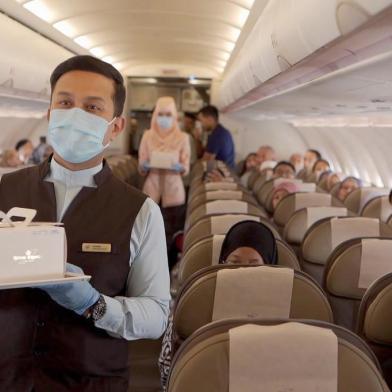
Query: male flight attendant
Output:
(73,337)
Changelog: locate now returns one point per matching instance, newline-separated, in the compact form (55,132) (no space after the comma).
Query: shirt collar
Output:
(71,178)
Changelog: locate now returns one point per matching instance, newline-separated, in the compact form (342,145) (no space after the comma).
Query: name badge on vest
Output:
(89,247)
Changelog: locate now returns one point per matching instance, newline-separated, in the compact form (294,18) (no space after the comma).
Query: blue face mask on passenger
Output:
(76,135)
(165,122)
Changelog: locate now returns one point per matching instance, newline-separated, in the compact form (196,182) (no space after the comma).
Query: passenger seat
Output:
(236,356)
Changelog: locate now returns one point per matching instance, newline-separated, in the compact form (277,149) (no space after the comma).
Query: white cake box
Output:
(32,253)
(164,159)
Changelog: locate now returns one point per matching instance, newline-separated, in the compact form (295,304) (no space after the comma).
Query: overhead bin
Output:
(287,32)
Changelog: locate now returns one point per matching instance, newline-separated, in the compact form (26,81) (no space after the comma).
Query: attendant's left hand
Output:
(178,168)
(76,296)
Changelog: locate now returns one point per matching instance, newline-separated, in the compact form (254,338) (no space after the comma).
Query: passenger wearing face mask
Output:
(297,161)
(319,167)
(25,150)
(166,186)
(73,336)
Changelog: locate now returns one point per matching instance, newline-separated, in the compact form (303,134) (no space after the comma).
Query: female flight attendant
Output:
(165,186)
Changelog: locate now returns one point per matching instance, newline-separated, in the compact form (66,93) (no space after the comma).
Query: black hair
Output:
(210,111)
(318,161)
(21,143)
(92,64)
(315,152)
(281,163)
(190,115)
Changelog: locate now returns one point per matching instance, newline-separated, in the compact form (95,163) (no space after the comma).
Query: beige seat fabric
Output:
(296,201)
(214,225)
(350,270)
(204,187)
(324,236)
(298,224)
(375,322)
(203,361)
(219,207)
(195,302)
(203,254)
(253,178)
(264,192)
(379,207)
(358,198)
(335,189)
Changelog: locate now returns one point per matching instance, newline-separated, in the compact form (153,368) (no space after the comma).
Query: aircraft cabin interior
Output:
(196,196)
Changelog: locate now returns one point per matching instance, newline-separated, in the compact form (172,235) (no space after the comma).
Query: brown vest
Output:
(43,346)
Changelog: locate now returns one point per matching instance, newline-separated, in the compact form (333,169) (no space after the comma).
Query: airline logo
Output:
(30,256)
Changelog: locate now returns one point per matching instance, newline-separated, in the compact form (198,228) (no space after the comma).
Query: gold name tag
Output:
(95,248)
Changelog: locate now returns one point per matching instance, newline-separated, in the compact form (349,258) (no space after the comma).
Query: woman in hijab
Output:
(165,186)
(247,242)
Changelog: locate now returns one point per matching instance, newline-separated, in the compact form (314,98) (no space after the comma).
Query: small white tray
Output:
(69,277)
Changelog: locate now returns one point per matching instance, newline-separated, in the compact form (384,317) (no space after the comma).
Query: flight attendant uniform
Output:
(44,346)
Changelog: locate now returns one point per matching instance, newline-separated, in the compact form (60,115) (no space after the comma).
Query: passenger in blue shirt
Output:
(220,144)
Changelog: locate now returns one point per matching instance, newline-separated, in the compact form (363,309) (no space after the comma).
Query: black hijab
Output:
(250,234)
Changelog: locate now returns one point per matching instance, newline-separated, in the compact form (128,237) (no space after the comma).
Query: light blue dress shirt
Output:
(143,312)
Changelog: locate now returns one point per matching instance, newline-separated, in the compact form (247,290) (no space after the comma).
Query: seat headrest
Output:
(212,358)
(222,224)
(326,235)
(379,207)
(220,186)
(296,201)
(356,264)
(261,358)
(226,206)
(253,292)
(375,316)
(302,220)
(195,301)
(356,200)
(224,195)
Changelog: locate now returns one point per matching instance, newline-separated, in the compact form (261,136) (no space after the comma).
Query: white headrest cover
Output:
(287,357)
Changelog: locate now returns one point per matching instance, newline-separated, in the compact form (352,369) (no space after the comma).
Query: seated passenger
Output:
(297,160)
(333,179)
(247,242)
(349,185)
(310,158)
(250,163)
(284,169)
(10,158)
(320,166)
(265,153)
(25,149)
(41,152)
(281,191)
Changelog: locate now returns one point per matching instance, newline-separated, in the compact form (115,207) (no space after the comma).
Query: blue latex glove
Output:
(76,296)
(146,166)
(177,167)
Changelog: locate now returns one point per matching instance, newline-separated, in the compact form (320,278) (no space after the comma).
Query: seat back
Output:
(296,201)
(203,198)
(253,178)
(324,236)
(214,225)
(204,187)
(356,200)
(300,222)
(206,252)
(375,322)
(205,361)
(197,301)
(335,189)
(352,267)
(218,207)
(379,208)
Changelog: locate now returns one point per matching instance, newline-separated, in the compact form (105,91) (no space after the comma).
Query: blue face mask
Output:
(76,135)
(165,122)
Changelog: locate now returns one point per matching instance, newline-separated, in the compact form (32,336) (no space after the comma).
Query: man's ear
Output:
(118,126)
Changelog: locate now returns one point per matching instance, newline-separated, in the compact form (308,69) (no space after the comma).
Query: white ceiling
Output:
(143,36)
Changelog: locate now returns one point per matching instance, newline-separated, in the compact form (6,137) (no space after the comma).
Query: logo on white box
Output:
(30,256)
